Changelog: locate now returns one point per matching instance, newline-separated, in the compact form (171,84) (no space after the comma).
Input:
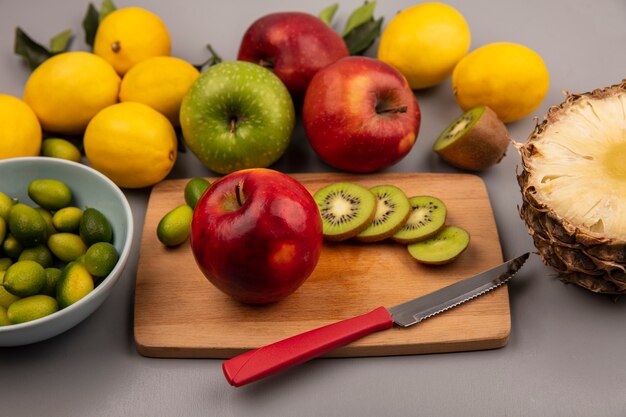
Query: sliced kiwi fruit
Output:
(427,217)
(475,141)
(392,211)
(346,209)
(442,248)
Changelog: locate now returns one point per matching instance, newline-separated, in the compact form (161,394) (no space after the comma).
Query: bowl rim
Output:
(113,276)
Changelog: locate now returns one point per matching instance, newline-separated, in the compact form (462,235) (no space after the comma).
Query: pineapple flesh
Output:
(573,185)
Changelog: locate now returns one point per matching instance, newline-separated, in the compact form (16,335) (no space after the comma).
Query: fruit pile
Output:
(126,104)
(54,253)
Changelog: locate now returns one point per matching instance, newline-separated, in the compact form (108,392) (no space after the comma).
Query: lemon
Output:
(53,275)
(67,90)
(6,298)
(131,143)
(130,35)
(40,254)
(509,78)
(66,246)
(425,42)
(67,219)
(20,131)
(4,318)
(50,194)
(175,227)
(160,82)
(27,226)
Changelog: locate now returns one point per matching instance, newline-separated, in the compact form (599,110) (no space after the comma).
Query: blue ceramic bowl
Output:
(89,188)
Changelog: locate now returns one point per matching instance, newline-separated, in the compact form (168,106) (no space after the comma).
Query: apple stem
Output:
(233,123)
(266,63)
(238,194)
(401,109)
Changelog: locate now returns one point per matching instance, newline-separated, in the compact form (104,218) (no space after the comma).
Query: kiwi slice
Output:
(427,217)
(392,211)
(442,248)
(475,141)
(346,209)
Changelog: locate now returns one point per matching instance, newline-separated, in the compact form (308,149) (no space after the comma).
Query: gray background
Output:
(565,356)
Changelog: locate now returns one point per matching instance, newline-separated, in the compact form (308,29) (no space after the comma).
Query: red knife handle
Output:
(267,360)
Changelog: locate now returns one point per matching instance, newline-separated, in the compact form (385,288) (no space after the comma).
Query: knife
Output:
(267,360)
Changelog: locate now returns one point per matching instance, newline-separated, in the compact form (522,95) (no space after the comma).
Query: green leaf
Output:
(90,24)
(328,13)
(359,17)
(32,52)
(212,60)
(363,36)
(60,42)
(106,8)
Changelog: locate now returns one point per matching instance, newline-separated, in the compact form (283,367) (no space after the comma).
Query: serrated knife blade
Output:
(267,360)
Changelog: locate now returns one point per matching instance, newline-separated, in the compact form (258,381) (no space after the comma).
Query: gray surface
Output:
(565,356)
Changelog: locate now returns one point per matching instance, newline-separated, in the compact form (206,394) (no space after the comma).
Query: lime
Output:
(66,246)
(3,229)
(24,278)
(100,259)
(27,225)
(12,248)
(60,148)
(67,219)
(194,190)
(50,194)
(74,284)
(5,263)
(40,254)
(4,318)
(95,227)
(32,308)
(52,278)
(48,218)
(175,226)
(6,298)
(6,203)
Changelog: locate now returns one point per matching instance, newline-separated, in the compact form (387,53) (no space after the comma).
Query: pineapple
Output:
(573,187)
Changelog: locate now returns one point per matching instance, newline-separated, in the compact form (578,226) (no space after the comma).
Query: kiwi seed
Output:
(475,141)
(442,248)
(346,209)
(392,211)
(427,217)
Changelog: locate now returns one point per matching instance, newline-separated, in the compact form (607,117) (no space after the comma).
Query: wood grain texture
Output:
(178,313)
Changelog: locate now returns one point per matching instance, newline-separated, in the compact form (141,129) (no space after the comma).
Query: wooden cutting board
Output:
(178,313)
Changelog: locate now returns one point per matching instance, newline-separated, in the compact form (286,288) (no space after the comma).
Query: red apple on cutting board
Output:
(360,115)
(294,46)
(256,234)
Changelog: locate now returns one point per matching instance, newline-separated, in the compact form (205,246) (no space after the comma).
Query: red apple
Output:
(294,45)
(360,115)
(256,234)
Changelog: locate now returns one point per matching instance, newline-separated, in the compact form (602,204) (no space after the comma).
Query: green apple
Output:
(237,115)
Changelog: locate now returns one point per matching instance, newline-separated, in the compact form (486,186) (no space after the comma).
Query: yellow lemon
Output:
(425,42)
(20,131)
(509,78)
(130,35)
(67,90)
(160,82)
(132,144)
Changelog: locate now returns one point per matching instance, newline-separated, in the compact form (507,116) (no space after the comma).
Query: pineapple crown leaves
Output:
(361,29)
